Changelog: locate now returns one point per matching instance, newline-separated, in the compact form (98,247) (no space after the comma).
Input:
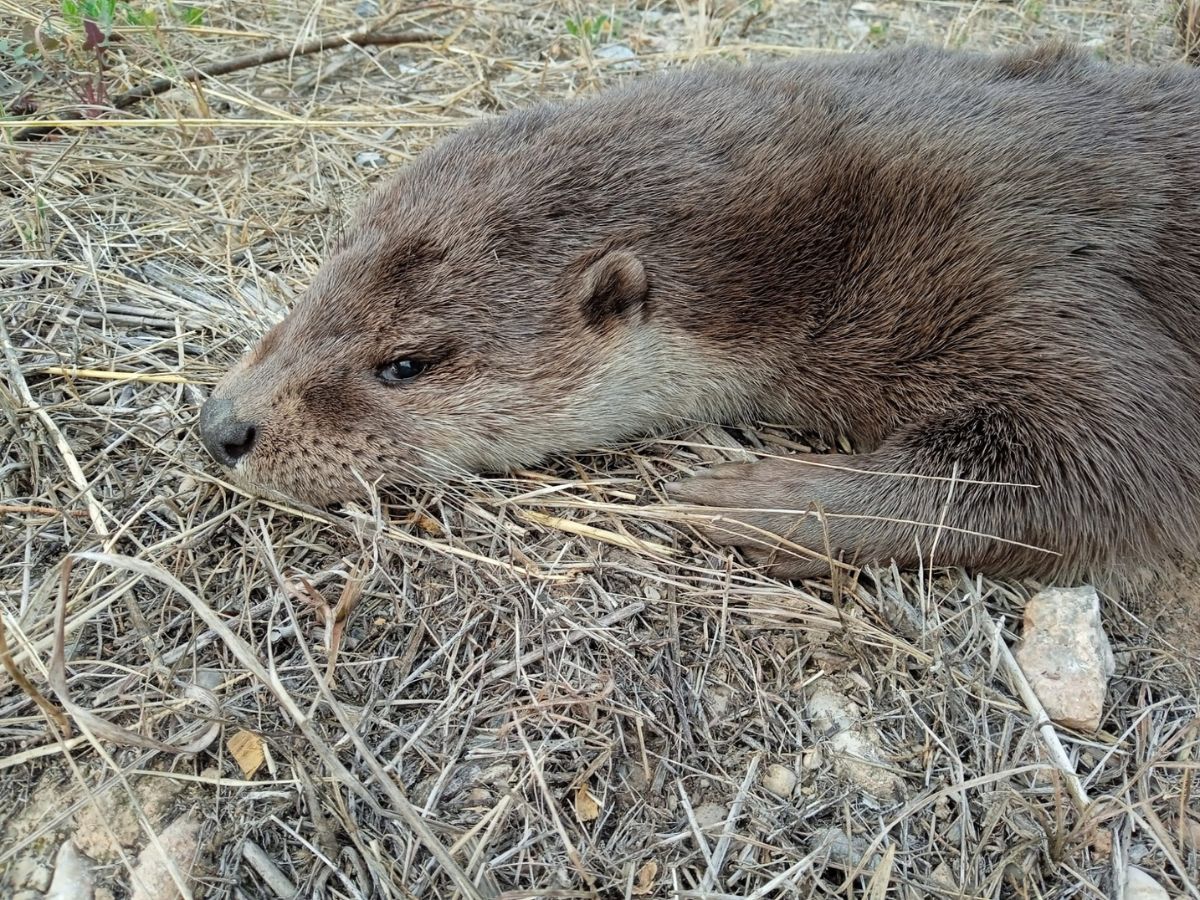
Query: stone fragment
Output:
(779,780)
(854,745)
(1066,656)
(73,878)
(151,877)
(1140,885)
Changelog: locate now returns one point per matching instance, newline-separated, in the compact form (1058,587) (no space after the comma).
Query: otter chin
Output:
(983,269)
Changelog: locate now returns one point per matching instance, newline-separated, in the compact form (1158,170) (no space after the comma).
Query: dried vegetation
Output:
(535,686)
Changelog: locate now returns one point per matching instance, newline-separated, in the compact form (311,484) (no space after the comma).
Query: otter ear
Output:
(613,285)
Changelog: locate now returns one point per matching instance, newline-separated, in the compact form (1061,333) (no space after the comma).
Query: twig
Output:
(576,634)
(49,709)
(110,375)
(19,759)
(88,721)
(71,463)
(279,883)
(27,509)
(535,765)
(95,510)
(735,812)
(1054,748)
(598,534)
(162,84)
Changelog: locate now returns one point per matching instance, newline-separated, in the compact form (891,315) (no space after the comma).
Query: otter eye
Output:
(400,370)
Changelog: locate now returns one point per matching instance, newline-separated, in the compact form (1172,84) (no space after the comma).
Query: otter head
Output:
(470,320)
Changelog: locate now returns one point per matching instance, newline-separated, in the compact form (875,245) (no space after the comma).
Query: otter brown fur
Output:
(980,268)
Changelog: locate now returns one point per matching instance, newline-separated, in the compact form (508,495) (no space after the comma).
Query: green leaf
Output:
(71,12)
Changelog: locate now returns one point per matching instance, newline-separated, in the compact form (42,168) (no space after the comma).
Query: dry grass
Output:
(559,692)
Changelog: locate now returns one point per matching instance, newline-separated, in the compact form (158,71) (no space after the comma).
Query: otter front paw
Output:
(775,512)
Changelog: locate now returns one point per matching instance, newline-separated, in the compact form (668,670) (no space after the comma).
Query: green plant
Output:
(101,12)
(192,15)
(593,29)
(105,13)
(56,42)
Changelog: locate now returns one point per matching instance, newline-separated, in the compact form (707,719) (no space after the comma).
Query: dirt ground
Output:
(542,689)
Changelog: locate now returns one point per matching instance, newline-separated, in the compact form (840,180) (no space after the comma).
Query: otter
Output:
(981,268)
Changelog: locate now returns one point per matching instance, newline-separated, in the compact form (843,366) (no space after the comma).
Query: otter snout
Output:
(227,436)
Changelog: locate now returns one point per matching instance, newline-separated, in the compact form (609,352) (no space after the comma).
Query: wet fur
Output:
(979,266)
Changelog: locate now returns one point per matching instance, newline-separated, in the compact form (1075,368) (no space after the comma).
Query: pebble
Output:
(844,851)
(1140,885)
(369,159)
(621,56)
(780,780)
(709,815)
(855,746)
(151,878)
(1066,656)
(72,875)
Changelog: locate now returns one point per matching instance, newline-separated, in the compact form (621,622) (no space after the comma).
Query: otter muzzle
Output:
(226,437)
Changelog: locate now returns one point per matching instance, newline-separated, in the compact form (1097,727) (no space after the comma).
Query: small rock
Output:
(857,28)
(844,851)
(1066,656)
(1016,873)
(709,815)
(72,875)
(622,57)
(1137,852)
(28,871)
(369,159)
(151,877)
(855,744)
(944,878)
(1140,886)
(1191,833)
(780,780)
(210,679)
(718,697)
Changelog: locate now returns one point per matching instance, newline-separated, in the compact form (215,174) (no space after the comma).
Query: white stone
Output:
(709,815)
(854,744)
(72,875)
(369,159)
(151,877)
(780,780)
(1141,886)
(1066,656)
(845,851)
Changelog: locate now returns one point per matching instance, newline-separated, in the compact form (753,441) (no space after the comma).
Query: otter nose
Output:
(227,438)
